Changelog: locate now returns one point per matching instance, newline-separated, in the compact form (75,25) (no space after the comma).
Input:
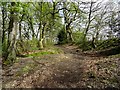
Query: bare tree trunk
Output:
(3,23)
(70,36)
(20,27)
(89,20)
(31,26)
(119,20)
(3,30)
(93,42)
(42,33)
(88,25)
(68,22)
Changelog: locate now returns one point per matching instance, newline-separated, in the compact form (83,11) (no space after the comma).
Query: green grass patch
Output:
(39,54)
(50,50)
(115,56)
(28,68)
(46,51)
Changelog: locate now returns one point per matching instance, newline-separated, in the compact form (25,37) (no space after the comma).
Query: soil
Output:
(70,69)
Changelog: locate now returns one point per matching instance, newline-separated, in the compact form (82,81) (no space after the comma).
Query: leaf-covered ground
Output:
(69,69)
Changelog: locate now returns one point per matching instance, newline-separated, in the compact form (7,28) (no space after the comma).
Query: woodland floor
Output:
(70,69)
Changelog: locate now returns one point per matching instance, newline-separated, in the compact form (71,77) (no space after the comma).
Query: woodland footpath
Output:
(60,44)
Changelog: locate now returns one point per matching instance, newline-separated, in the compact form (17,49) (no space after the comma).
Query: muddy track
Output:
(71,69)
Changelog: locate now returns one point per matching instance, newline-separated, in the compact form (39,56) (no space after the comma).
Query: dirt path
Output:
(71,69)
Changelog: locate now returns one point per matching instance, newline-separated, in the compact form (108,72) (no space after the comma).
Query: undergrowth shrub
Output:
(27,45)
(62,37)
(109,43)
(78,37)
(100,45)
(86,45)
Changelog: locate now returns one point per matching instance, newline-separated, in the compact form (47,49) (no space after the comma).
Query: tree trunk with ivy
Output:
(10,53)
